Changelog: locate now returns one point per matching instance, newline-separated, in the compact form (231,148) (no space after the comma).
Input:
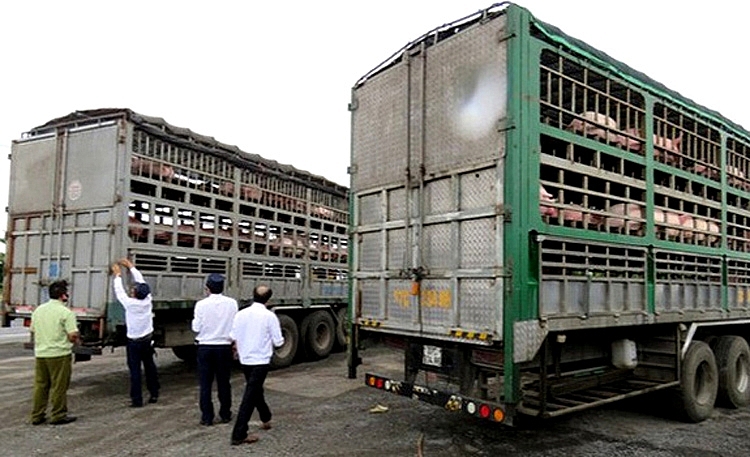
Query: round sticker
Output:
(74,190)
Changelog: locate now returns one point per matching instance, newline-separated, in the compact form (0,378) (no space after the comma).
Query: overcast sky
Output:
(274,78)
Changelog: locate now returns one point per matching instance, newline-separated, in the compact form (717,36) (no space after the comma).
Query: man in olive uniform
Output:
(54,331)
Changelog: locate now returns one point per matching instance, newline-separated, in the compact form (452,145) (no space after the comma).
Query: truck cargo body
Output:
(95,186)
(542,229)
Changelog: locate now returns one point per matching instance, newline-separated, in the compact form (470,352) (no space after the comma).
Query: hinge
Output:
(352,169)
(505,212)
(353,105)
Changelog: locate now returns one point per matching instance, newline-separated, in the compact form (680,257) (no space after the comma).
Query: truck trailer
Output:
(96,185)
(541,229)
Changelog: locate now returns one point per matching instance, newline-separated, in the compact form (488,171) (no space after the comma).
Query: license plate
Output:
(432,355)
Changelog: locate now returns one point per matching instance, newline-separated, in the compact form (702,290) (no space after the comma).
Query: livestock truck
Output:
(97,185)
(542,229)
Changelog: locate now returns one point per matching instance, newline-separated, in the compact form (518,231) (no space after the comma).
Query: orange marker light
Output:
(498,415)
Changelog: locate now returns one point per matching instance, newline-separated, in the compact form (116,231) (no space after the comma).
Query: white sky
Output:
(274,78)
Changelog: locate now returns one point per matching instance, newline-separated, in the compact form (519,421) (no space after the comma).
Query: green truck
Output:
(542,229)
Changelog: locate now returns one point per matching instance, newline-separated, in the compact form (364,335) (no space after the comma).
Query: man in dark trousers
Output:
(212,321)
(255,332)
(140,329)
(53,331)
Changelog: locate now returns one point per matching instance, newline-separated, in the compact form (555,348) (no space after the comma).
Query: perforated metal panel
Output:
(479,189)
(397,250)
(439,248)
(475,294)
(370,209)
(379,135)
(371,304)
(478,245)
(465,97)
(371,251)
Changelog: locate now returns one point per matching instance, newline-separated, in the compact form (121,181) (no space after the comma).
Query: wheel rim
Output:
(743,373)
(703,382)
(285,348)
(322,335)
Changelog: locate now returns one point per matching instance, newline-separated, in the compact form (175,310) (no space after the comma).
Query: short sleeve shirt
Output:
(51,323)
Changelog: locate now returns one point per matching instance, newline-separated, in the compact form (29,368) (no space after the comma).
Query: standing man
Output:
(54,331)
(212,321)
(255,331)
(140,329)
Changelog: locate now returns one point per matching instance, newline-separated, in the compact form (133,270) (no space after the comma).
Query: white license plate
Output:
(432,355)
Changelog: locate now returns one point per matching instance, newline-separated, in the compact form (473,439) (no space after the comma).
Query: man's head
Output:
(58,290)
(141,290)
(215,283)
(261,294)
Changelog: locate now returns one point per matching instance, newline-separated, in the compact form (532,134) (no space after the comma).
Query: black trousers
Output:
(140,352)
(255,376)
(215,361)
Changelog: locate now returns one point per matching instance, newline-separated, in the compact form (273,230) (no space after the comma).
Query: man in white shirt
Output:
(212,321)
(140,329)
(255,332)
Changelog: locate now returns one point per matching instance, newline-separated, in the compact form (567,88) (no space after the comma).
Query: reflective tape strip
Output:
(470,335)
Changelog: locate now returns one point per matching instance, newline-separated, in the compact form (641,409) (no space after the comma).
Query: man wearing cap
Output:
(140,329)
(255,332)
(212,322)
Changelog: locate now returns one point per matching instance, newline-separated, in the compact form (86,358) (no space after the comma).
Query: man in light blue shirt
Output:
(140,329)
(255,331)
(212,321)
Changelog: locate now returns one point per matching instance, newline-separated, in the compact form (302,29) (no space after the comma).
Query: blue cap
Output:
(215,280)
(142,290)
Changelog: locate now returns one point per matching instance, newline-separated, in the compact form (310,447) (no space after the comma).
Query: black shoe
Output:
(207,423)
(226,420)
(153,399)
(39,421)
(64,420)
(136,405)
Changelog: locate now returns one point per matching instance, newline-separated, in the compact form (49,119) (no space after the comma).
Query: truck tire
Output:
(733,362)
(342,327)
(187,353)
(283,356)
(318,334)
(699,382)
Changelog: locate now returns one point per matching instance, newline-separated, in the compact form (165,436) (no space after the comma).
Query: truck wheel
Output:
(342,327)
(733,361)
(187,353)
(699,382)
(283,356)
(318,334)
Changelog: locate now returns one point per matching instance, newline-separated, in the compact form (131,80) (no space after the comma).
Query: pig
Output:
(668,150)
(629,210)
(676,224)
(706,232)
(247,191)
(322,212)
(591,125)
(151,168)
(545,196)
(136,230)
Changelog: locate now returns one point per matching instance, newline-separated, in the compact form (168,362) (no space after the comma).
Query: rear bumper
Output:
(451,402)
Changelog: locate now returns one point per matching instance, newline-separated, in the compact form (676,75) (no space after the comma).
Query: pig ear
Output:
(677,141)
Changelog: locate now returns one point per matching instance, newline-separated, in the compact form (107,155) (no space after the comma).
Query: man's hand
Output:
(115,269)
(126,263)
